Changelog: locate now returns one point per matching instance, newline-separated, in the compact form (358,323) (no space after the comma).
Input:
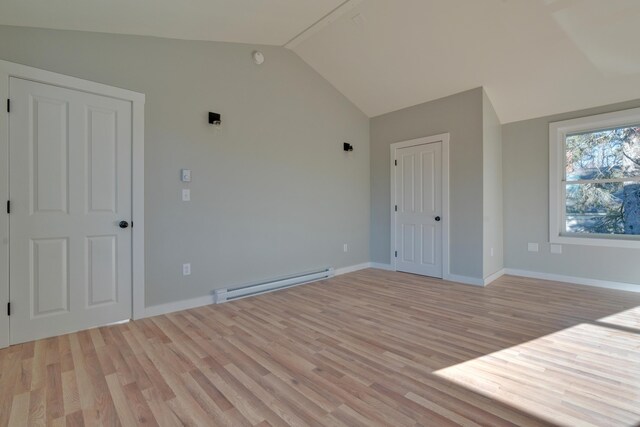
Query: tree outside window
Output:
(602,182)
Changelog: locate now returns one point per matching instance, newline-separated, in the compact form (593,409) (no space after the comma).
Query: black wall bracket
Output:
(215,119)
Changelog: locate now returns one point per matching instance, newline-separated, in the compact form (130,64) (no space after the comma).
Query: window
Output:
(595,180)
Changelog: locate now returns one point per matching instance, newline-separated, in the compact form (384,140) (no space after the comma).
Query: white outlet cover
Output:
(186,269)
(186,195)
(556,249)
(185,175)
(533,247)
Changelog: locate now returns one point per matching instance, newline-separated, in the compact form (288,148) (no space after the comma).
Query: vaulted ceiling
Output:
(273,22)
(534,57)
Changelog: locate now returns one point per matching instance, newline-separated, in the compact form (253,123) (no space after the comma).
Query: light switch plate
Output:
(533,247)
(186,269)
(185,175)
(186,195)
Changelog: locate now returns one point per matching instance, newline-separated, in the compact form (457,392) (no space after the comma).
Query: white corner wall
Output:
(492,183)
(459,115)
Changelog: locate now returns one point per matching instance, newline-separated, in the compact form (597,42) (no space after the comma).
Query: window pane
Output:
(612,208)
(604,154)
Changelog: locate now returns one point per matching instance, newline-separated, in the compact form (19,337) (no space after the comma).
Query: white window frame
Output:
(558,132)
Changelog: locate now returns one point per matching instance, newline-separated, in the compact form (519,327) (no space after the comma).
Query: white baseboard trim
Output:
(620,286)
(464,280)
(381,266)
(495,276)
(351,269)
(157,310)
(171,307)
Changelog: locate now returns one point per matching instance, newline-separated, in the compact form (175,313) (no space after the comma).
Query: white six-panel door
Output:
(418,215)
(70,187)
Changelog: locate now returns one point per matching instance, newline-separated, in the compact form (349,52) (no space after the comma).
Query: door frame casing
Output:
(8,70)
(444,139)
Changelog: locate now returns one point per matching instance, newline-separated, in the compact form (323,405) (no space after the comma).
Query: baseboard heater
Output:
(224,295)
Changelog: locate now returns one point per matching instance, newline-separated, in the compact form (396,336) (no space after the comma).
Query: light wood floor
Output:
(369,348)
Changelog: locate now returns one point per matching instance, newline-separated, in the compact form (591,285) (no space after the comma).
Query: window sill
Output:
(596,241)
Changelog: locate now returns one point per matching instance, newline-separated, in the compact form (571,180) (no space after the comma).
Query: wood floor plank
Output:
(160,410)
(54,392)
(70,393)
(37,408)
(370,348)
(19,410)
(123,410)
(75,419)
(11,367)
(85,388)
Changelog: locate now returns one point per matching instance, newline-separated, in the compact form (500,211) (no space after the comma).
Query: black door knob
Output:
(123,224)
(438,218)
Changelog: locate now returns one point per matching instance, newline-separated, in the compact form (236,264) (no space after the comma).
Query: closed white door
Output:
(418,209)
(70,189)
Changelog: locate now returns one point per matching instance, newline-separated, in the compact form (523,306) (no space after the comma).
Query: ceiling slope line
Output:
(322,22)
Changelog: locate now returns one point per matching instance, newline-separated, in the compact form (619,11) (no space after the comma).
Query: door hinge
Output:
(396,254)
(396,208)
(396,162)
(8,206)
(8,105)
(8,309)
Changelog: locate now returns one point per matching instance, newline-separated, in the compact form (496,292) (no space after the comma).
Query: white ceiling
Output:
(272,22)
(534,57)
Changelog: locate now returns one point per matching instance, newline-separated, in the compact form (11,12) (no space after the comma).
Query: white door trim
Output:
(9,69)
(444,139)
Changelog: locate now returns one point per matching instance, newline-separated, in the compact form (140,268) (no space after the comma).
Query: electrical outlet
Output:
(186,195)
(345,248)
(533,247)
(186,269)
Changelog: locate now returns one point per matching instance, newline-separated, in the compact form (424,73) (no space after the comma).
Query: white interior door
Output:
(418,205)
(70,187)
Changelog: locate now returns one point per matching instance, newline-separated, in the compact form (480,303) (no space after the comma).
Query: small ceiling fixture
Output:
(358,19)
(258,57)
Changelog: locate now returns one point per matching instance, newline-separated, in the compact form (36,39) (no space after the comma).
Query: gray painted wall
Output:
(461,116)
(492,189)
(526,198)
(272,193)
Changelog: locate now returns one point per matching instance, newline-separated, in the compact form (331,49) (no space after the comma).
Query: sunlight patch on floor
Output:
(627,319)
(584,375)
